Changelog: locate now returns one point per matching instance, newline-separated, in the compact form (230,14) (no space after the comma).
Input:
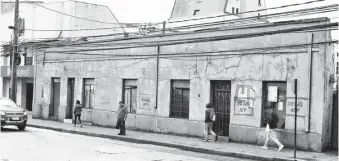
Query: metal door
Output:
(55,97)
(221,101)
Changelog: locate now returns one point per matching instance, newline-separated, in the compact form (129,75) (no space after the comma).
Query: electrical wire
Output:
(214,38)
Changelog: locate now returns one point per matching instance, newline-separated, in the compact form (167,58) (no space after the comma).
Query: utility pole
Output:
(15,51)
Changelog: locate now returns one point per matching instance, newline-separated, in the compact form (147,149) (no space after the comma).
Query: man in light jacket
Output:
(121,118)
(77,113)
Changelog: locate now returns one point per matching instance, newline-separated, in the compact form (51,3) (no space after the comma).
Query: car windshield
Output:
(7,103)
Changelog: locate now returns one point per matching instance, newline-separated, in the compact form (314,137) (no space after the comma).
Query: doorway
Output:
(70,98)
(55,97)
(29,96)
(276,90)
(221,101)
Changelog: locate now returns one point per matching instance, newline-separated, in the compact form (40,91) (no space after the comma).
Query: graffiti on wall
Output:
(301,106)
(244,99)
(145,101)
(105,100)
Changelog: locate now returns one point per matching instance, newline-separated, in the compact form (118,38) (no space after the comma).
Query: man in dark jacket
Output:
(270,124)
(121,118)
(209,118)
(77,113)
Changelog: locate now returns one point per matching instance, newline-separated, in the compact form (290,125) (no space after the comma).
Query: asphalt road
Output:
(46,145)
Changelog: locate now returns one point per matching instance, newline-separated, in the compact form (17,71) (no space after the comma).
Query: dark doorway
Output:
(280,87)
(221,100)
(55,97)
(70,98)
(335,122)
(29,96)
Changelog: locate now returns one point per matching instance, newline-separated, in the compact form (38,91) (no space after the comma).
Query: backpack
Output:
(212,115)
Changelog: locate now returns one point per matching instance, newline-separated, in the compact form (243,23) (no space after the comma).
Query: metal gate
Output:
(334,135)
(221,100)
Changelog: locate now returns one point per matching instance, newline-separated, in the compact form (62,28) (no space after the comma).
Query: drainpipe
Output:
(310,93)
(157,81)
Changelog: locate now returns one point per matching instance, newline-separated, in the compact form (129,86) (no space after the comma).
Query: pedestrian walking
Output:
(209,119)
(77,113)
(271,123)
(121,118)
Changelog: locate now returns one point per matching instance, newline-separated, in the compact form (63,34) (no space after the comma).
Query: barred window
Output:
(180,92)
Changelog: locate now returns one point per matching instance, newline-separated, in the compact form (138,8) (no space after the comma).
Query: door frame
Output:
(52,108)
(212,90)
(27,95)
(69,107)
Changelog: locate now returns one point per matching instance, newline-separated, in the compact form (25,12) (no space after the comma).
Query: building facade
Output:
(43,21)
(216,12)
(166,87)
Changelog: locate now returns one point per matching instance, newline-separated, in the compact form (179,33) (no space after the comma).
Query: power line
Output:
(89,29)
(109,41)
(314,10)
(194,54)
(230,53)
(214,38)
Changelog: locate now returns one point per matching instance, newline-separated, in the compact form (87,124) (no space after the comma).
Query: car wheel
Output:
(21,127)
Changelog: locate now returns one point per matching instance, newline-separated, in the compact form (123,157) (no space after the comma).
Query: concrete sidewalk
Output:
(245,151)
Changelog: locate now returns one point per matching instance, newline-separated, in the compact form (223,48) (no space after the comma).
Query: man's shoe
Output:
(216,138)
(281,147)
(120,134)
(80,125)
(264,147)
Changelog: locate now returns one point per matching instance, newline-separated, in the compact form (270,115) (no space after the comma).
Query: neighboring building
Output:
(258,72)
(195,12)
(43,22)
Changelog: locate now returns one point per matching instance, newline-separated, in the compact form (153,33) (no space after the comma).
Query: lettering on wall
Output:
(145,101)
(105,100)
(244,99)
(301,106)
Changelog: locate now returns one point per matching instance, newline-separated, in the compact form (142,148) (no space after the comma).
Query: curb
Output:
(182,147)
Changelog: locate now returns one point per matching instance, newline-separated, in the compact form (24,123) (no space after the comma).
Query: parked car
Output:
(12,114)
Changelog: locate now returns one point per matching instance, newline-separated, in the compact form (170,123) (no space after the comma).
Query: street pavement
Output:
(247,151)
(47,145)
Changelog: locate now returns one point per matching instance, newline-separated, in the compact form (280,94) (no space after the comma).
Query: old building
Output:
(44,24)
(194,12)
(167,81)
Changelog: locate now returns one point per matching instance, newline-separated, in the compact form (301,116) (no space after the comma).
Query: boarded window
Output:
(180,93)
(130,94)
(88,93)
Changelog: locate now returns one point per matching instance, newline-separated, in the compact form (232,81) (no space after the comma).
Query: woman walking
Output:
(77,113)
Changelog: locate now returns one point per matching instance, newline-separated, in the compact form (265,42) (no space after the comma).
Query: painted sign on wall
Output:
(145,101)
(22,71)
(301,106)
(244,99)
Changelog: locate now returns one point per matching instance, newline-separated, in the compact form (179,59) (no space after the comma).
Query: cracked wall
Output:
(240,60)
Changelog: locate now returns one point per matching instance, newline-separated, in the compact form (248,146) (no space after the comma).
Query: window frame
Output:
(84,93)
(131,87)
(182,113)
